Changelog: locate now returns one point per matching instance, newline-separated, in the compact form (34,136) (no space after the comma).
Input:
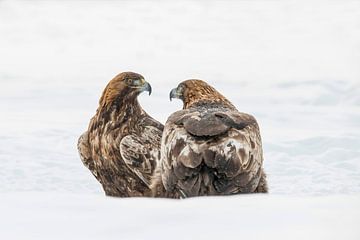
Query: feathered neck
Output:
(198,92)
(120,112)
(206,103)
(121,106)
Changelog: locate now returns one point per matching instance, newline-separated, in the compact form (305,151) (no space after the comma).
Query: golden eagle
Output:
(122,144)
(209,147)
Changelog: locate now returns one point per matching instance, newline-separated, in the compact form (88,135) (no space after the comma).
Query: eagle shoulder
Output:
(204,122)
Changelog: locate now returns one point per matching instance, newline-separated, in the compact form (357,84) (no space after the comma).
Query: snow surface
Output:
(54,216)
(294,65)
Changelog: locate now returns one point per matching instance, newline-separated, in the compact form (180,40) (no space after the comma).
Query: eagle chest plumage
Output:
(125,145)
(114,175)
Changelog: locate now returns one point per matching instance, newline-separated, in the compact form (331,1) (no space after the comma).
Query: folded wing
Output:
(141,152)
(211,152)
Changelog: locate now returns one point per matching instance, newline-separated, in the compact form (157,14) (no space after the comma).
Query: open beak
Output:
(146,87)
(174,94)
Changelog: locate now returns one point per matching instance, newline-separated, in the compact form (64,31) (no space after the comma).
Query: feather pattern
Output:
(141,153)
(210,148)
(122,144)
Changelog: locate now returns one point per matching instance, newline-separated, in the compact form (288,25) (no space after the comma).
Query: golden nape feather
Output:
(121,147)
(210,148)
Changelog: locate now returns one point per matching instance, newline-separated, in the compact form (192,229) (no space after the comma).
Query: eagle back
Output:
(211,121)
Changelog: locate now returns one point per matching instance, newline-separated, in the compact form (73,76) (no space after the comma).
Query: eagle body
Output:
(209,147)
(122,144)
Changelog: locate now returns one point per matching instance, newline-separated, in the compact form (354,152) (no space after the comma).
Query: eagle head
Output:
(125,86)
(194,92)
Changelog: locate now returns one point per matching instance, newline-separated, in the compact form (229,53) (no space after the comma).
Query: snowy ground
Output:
(294,65)
(54,216)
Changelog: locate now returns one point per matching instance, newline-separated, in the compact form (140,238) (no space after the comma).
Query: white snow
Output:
(53,216)
(294,65)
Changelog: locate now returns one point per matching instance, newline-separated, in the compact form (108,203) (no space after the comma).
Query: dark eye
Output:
(129,81)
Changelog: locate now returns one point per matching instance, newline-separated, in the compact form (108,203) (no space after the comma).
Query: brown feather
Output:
(124,168)
(209,148)
(197,92)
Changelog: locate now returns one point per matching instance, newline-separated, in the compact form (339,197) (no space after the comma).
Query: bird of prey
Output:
(122,144)
(209,147)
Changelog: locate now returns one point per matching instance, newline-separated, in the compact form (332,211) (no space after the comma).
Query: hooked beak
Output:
(146,87)
(174,94)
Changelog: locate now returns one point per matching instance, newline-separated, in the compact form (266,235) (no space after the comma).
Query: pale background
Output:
(294,65)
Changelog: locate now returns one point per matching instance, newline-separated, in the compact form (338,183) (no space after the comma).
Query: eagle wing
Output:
(85,154)
(141,153)
(211,152)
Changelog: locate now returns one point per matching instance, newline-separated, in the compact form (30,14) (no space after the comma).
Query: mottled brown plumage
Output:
(210,148)
(122,144)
